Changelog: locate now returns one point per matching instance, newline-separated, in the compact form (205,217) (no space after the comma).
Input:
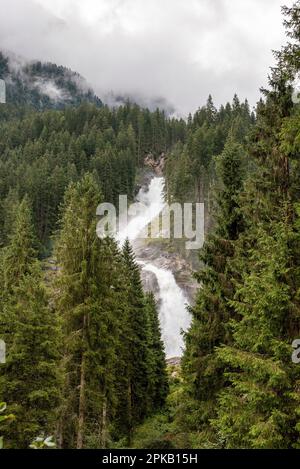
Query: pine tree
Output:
(202,369)
(260,405)
(142,384)
(158,379)
(18,258)
(259,408)
(21,252)
(92,305)
(30,379)
(138,358)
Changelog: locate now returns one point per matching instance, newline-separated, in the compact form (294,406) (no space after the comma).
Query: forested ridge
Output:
(43,85)
(85,359)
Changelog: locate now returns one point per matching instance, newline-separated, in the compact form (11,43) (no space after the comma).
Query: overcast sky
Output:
(180,50)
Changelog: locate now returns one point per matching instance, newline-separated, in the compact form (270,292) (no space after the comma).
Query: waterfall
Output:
(153,201)
(173,314)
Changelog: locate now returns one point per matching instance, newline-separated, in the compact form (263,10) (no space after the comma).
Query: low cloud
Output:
(50,89)
(175,49)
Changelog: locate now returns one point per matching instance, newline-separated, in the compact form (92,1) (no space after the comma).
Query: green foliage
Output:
(211,314)
(41,153)
(259,409)
(31,375)
(143,387)
(238,374)
(114,358)
(154,433)
(158,379)
(4,419)
(96,367)
(89,287)
(44,85)
(190,169)
(85,359)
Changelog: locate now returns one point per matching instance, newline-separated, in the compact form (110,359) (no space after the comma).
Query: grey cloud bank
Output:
(173,49)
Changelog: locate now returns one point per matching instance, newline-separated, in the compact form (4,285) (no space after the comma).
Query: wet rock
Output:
(173,361)
(179,266)
(156,164)
(150,283)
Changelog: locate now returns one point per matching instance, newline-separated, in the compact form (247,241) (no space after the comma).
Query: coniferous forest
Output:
(85,357)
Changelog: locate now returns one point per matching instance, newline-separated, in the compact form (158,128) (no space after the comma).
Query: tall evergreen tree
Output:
(158,379)
(202,369)
(259,408)
(260,405)
(30,378)
(92,305)
(138,358)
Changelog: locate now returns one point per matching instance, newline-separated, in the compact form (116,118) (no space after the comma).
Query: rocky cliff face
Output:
(163,253)
(155,253)
(156,164)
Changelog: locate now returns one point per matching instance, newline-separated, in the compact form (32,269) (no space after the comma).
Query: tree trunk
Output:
(129,413)
(103,439)
(81,411)
(60,434)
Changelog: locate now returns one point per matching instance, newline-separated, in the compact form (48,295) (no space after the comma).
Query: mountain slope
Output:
(43,85)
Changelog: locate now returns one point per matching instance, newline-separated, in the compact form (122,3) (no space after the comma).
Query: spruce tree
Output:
(21,252)
(158,379)
(211,314)
(137,342)
(260,405)
(92,305)
(30,378)
(259,408)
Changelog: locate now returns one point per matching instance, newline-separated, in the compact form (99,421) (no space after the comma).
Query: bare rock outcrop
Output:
(156,164)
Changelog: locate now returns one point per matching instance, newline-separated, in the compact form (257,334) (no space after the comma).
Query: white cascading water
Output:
(173,314)
(153,201)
